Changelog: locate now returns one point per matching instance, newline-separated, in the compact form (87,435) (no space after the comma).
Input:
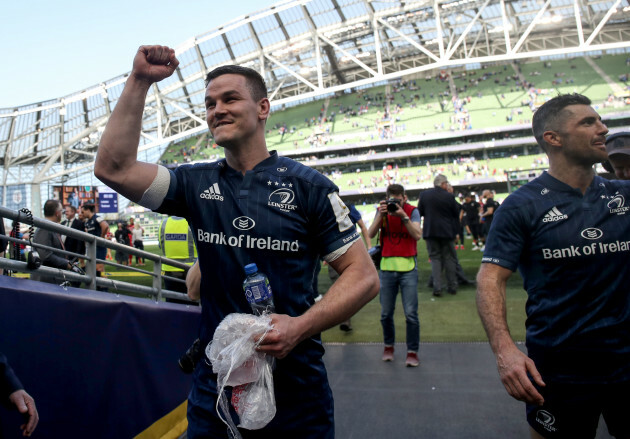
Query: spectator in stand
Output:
(12,392)
(618,149)
(53,211)
(137,234)
(398,223)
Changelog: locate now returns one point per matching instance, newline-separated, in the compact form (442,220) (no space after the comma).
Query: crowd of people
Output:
(84,219)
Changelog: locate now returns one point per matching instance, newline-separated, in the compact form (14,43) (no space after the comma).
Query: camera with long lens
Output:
(189,360)
(392,205)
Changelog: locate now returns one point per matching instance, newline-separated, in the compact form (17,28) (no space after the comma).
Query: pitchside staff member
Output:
(253,206)
(568,233)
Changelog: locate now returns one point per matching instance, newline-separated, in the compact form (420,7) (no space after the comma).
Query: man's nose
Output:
(219,108)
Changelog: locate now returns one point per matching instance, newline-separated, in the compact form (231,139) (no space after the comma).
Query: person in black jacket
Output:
(73,244)
(12,392)
(3,242)
(441,218)
(52,212)
(122,237)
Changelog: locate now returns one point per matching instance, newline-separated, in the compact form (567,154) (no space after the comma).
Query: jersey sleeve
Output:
(175,200)
(9,382)
(333,227)
(355,215)
(507,236)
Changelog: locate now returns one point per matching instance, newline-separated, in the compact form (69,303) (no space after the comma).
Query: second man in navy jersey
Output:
(568,233)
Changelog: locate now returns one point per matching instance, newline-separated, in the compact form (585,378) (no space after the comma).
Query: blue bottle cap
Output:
(250,269)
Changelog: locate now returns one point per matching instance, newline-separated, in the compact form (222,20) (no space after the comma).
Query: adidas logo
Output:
(554,215)
(212,193)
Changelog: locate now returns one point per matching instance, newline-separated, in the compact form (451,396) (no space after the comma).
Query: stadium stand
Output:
(444,101)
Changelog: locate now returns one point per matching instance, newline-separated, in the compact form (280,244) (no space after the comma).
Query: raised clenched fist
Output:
(154,63)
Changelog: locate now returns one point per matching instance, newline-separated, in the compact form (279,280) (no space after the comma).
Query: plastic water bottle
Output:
(260,298)
(258,291)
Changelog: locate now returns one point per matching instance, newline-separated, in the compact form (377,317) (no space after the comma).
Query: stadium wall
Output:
(98,365)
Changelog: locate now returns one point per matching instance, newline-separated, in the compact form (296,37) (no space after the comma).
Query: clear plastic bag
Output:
(236,362)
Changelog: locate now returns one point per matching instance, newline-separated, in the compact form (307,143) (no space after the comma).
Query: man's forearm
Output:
(118,147)
(414,229)
(491,290)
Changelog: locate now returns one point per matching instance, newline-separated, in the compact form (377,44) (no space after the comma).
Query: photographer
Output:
(399,226)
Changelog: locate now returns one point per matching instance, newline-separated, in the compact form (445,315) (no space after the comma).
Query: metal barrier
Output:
(90,279)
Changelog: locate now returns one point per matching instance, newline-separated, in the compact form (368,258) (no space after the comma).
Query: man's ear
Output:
(264,108)
(552,138)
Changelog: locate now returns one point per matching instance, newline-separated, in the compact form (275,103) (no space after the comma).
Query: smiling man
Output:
(568,233)
(253,206)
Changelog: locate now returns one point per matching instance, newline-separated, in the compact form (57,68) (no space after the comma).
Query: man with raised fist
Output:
(251,207)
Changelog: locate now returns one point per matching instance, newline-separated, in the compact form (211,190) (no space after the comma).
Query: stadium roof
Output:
(307,49)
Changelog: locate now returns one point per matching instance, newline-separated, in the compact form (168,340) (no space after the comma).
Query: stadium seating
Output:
(492,96)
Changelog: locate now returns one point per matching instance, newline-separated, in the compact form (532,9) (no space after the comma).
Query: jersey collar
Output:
(266,163)
(556,185)
(269,161)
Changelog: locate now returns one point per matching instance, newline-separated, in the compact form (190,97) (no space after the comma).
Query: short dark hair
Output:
(51,207)
(74,209)
(395,189)
(255,82)
(550,114)
(89,207)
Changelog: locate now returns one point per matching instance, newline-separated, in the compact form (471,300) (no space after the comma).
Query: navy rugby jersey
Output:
(571,250)
(282,216)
